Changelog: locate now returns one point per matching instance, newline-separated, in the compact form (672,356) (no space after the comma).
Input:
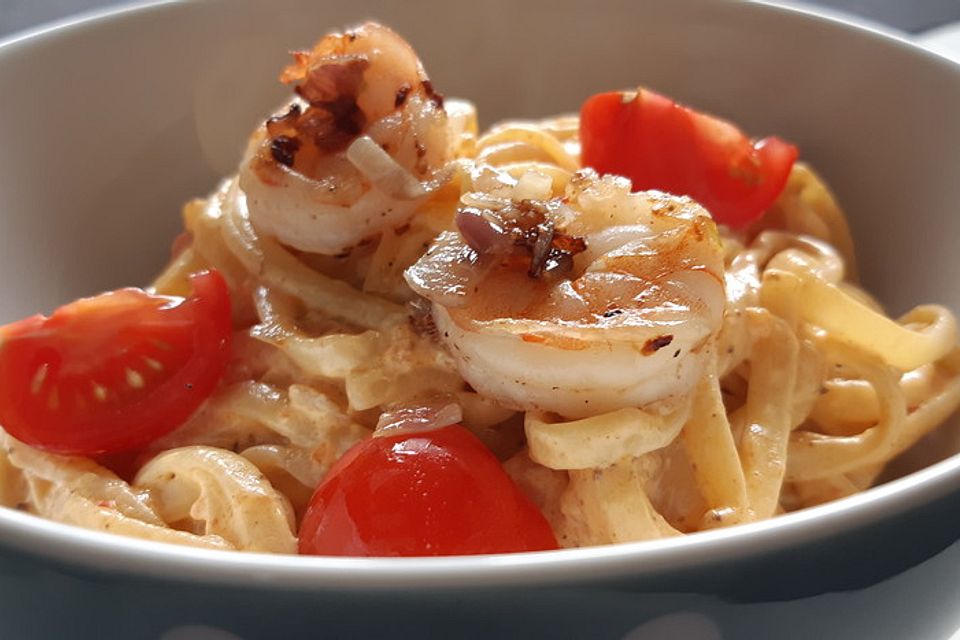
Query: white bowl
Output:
(110,123)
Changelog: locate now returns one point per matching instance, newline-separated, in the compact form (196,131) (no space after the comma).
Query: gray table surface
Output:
(913,16)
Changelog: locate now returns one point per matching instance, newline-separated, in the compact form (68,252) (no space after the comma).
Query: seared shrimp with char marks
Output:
(596,301)
(363,142)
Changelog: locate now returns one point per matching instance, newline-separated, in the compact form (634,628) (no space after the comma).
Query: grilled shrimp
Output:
(363,142)
(596,301)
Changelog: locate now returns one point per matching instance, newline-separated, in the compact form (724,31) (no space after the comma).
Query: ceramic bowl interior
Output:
(110,125)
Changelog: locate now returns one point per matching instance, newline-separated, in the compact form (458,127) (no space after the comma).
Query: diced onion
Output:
(383,171)
(419,416)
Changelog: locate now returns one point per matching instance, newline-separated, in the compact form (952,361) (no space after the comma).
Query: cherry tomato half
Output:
(436,493)
(113,372)
(662,145)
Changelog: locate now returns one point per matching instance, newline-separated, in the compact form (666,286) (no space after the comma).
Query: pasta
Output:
(778,385)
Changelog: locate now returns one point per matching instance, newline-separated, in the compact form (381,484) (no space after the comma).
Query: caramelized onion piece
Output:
(419,415)
(481,231)
(449,277)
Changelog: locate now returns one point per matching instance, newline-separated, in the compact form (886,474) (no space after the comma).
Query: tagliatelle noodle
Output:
(763,443)
(77,491)
(710,447)
(215,491)
(605,439)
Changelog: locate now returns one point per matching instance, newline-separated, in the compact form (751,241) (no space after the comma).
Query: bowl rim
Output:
(100,551)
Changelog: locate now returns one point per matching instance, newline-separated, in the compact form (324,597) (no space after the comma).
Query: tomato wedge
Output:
(662,145)
(437,493)
(111,373)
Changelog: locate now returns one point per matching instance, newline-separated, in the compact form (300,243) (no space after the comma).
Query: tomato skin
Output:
(437,493)
(114,372)
(659,144)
